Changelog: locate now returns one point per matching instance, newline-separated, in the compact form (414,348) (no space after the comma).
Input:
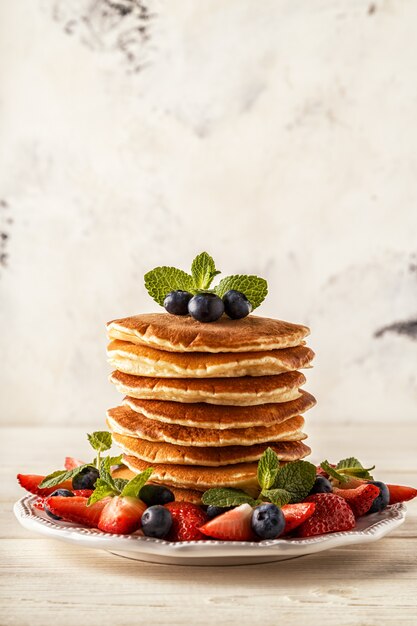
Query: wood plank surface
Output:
(44,581)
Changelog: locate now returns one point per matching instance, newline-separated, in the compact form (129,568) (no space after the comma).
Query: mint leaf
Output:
(120,484)
(331,471)
(134,486)
(105,470)
(277,496)
(161,280)
(58,477)
(296,477)
(100,440)
(267,469)
(352,467)
(254,288)
(203,270)
(226,497)
(102,490)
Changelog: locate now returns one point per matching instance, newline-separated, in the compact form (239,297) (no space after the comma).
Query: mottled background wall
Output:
(279,135)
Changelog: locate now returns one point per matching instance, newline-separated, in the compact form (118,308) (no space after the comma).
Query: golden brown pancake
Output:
(124,421)
(142,360)
(203,415)
(175,333)
(243,391)
(215,457)
(181,495)
(241,475)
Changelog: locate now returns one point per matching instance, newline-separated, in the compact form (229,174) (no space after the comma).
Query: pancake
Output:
(175,333)
(240,476)
(243,391)
(124,421)
(203,415)
(214,457)
(142,360)
(181,495)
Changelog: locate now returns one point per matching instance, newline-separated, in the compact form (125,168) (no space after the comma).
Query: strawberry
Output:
(296,514)
(38,504)
(84,493)
(187,518)
(332,514)
(30,482)
(234,525)
(76,510)
(71,463)
(359,499)
(121,515)
(351,483)
(398,493)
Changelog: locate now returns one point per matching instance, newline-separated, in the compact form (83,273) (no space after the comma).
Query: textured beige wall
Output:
(280,136)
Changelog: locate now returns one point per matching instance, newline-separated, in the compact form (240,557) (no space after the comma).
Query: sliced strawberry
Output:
(332,514)
(351,483)
(360,499)
(234,525)
(399,493)
(39,503)
(30,482)
(76,510)
(187,519)
(121,515)
(71,463)
(84,493)
(296,514)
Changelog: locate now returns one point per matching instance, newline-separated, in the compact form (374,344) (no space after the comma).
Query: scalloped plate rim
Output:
(136,545)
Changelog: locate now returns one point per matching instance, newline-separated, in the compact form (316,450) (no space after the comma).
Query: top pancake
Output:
(142,360)
(175,333)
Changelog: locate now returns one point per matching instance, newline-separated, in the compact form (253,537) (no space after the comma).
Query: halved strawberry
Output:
(360,499)
(399,493)
(76,510)
(234,525)
(121,515)
(71,463)
(332,514)
(351,483)
(30,482)
(296,514)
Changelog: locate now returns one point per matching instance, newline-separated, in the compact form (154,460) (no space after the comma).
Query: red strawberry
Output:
(234,525)
(84,493)
(71,463)
(359,499)
(30,482)
(296,514)
(187,518)
(121,515)
(332,514)
(38,504)
(398,493)
(351,483)
(76,510)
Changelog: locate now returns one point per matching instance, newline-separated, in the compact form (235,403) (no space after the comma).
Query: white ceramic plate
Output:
(210,552)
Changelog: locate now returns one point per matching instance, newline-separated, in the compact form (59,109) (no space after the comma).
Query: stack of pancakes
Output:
(202,402)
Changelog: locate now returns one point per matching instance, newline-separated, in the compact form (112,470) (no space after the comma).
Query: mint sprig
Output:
(280,485)
(346,468)
(100,441)
(119,487)
(161,280)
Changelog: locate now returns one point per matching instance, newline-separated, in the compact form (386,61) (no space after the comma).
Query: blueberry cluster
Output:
(208,307)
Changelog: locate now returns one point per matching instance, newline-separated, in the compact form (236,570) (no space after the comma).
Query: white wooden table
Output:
(47,582)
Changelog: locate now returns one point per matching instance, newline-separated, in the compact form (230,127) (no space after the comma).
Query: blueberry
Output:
(86,479)
(236,304)
(176,302)
(156,521)
(214,511)
(65,493)
(156,494)
(381,501)
(321,485)
(206,307)
(268,521)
